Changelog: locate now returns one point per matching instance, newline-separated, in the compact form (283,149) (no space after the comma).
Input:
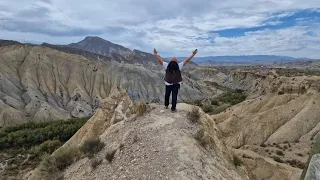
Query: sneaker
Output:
(175,110)
(166,107)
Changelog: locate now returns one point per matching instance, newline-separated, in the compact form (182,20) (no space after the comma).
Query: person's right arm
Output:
(160,60)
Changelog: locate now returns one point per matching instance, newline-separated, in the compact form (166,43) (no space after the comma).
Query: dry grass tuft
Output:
(194,114)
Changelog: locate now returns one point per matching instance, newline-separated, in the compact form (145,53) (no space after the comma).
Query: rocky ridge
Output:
(156,145)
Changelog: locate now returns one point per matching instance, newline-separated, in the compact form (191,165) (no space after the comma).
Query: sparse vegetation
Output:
(207,108)
(279,153)
(222,102)
(95,162)
(199,136)
(263,145)
(295,163)
(54,164)
(279,160)
(92,146)
(140,108)
(299,154)
(194,114)
(48,146)
(110,155)
(237,161)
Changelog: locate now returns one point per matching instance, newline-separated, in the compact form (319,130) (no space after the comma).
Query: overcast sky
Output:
(174,27)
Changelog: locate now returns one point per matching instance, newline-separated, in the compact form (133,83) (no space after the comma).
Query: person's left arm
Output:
(189,58)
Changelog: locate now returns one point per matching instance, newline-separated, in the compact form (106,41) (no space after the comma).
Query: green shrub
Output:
(50,146)
(194,114)
(33,134)
(207,108)
(237,161)
(92,146)
(214,102)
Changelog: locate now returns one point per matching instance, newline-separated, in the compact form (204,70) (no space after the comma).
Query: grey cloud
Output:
(37,12)
(56,29)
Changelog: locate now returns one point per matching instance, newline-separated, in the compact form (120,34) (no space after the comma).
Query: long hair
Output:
(173,67)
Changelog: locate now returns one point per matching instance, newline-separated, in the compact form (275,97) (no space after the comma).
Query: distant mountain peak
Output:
(101,46)
(95,38)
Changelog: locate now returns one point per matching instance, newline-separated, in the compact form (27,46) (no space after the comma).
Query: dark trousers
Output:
(174,89)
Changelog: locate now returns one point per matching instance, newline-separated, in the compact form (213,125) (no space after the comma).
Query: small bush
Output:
(279,153)
(65,157)
(95,162)
(197,102)
(47,167)
(299,154)
(296,163)
(220,109)
(263,145)
(110,155)
(50,146)
(207,108)
(214,102)
(237,161)
(199,136)
(92,146)
(141,108)
(194,114)
(279,160)
(53,165)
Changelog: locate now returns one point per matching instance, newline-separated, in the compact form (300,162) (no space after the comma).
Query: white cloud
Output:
(174,27)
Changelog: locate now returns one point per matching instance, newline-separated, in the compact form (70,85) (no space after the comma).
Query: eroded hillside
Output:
(276,126)
(41,84)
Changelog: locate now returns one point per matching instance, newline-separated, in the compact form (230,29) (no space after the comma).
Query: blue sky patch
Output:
(298,17)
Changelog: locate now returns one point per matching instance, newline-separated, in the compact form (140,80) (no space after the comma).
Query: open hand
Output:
(155,51)
(195,52)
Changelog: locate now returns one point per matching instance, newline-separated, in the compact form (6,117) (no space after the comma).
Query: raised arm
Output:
(160,60)
(189,58)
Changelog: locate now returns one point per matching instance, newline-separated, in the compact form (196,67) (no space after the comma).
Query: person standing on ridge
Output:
(173,77)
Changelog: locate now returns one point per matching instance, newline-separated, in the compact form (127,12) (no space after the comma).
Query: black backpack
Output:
(173,73)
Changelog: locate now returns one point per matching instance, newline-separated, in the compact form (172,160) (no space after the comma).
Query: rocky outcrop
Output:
(41,84)
(313,172)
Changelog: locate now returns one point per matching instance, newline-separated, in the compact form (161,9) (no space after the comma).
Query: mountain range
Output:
(244,59)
